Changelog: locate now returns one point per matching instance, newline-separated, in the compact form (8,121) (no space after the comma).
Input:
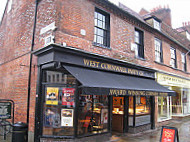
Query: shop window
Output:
(139,41)
(186,101)
(177,101)
(158,51)
(101,28)
(59,77)
(93,114)
(58,113)
(164,108)
(141,112)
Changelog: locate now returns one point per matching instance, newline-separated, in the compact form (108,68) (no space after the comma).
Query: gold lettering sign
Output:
(106,66)
(117,92)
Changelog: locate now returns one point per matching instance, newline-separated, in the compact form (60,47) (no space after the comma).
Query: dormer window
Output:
(157,24)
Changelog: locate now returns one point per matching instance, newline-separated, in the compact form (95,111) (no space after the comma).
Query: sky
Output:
(180,9)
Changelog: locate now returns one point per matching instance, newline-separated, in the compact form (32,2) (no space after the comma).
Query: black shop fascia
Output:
(81,94)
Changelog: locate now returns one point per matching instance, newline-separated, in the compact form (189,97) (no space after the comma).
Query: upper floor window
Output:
(173,61)
(158,50)
(183,61)
(157,24)
(139,41)
(101,28)
(188,35)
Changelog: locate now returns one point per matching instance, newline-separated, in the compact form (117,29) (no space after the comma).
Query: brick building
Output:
(83,67)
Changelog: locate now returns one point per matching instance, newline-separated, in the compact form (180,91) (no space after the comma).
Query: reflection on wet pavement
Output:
(183,127)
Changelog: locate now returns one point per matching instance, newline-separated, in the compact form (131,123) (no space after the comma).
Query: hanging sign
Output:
(5,110)
(169,134)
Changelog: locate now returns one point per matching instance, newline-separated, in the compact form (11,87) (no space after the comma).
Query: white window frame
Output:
(157,24)
(158,50)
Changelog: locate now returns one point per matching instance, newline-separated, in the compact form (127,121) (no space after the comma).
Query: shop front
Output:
(178,105)
(81,94)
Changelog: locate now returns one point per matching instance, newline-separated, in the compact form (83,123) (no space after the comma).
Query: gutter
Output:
(30,67)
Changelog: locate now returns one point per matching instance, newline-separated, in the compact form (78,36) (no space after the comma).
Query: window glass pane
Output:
(102,24)
(58,113)
(131,111)
(103,18)
(95,38)
(99,16)
(93,114)
(96,15)
(95,22)
(177,101)
(142,105)
(99,24)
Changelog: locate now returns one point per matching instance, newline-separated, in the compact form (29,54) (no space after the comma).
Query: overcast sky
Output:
(180,9)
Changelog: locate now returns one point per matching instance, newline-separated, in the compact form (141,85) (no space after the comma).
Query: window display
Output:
(142,110)
(164,111)
(93,114)
(186,101)
(59,104)
(177,106)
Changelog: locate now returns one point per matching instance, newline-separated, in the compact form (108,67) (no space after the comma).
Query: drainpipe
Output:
(30,65)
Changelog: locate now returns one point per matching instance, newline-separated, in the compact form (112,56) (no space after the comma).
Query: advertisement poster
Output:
(168,135)
(52,118)
(49,115)
(67,117)
(52,95)
(104,116)
(68,97)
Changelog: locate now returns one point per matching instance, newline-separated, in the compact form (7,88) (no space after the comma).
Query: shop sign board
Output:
(116,68)
(5,110)
(169,80)
(169,134)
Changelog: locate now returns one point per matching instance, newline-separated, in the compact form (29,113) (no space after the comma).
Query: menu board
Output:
(169,134)
(52,95)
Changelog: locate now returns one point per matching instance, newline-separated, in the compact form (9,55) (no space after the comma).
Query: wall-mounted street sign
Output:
(169,134)
(5,110)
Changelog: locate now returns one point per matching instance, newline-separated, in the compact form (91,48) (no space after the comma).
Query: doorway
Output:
(118,114)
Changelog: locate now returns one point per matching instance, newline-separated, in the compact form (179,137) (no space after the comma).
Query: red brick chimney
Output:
(164,14)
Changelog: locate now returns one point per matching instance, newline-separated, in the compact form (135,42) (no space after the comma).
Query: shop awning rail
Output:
(107,83)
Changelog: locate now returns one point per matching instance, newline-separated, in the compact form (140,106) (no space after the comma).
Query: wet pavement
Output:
(183,127)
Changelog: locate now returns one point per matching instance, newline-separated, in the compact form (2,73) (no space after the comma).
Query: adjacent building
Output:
(84,67)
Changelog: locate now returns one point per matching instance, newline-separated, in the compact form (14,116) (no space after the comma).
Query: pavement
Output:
(183,126)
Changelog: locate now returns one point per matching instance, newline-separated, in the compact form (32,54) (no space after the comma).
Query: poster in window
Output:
(49,115)
(52,95)
(104,116)
(68,97)
(67,117)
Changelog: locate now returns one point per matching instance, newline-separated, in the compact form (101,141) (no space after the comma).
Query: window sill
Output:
(140,58)
(100,45)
